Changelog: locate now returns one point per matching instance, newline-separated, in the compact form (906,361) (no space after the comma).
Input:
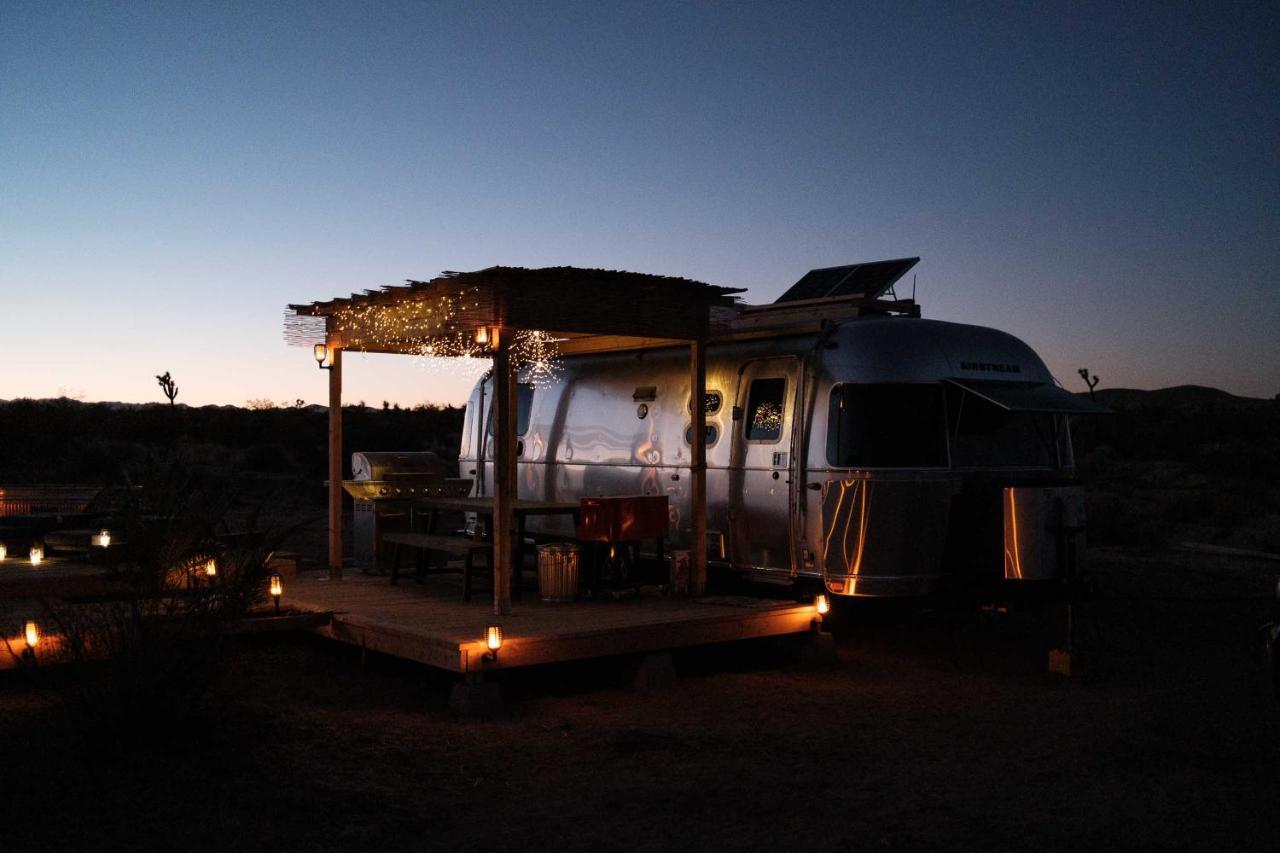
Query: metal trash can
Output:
(558,572)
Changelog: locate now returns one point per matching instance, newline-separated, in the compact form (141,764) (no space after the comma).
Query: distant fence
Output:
(29,500)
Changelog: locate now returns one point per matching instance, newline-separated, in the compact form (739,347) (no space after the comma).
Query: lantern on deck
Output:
(37,554)
(4,552)
(31,633)
(822,605)
(492,641)
(101,539)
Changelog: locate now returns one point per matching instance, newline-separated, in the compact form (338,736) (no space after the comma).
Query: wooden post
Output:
(698,466)
(335,462)
(504,481)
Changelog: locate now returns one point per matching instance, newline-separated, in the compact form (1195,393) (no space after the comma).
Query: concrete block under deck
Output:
(431,624)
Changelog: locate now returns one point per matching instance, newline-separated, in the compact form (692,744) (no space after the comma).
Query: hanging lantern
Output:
(31,633)
(37,554)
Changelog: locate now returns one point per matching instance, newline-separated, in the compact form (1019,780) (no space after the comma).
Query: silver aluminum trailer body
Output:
(877,455)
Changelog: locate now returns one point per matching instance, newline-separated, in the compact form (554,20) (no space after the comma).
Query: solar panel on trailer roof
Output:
(866,280)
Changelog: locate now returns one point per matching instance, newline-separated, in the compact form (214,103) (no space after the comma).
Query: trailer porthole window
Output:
(764,409)
(710,403)
(712,434)
(524,404)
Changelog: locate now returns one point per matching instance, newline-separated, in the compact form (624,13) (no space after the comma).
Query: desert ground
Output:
(938,727)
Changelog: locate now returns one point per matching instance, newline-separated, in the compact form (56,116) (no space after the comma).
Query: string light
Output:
(538,357)
(440,332)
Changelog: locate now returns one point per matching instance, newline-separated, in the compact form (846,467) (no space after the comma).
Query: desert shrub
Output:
(135,664)
(1130,520)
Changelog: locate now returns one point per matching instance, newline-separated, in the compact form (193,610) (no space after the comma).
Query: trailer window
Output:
(764,409)
(524,404)
(710,403)
(711,434)
(886,426)
(984,435)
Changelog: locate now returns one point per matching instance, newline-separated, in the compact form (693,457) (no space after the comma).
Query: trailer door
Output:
(760,479)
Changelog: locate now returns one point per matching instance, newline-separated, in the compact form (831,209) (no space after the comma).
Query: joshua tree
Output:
(169,387)
(1091,381)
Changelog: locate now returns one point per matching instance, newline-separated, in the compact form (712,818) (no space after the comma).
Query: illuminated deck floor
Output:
(431,624)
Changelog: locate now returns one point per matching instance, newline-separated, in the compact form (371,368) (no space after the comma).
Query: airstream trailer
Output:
(849,443)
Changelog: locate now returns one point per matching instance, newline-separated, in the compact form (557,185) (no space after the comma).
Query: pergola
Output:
(481,313)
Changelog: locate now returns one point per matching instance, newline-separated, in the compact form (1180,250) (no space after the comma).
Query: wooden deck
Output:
(430,623)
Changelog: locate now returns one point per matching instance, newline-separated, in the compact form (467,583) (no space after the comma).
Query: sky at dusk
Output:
(1102,181)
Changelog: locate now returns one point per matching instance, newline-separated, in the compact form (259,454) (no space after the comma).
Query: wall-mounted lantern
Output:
(322,356)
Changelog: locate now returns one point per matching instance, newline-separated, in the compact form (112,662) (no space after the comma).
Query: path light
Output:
(211,568)
(492,641)
(321,353)
(37,554)
(821,607)
(277,590)
(101,539)
(31,633)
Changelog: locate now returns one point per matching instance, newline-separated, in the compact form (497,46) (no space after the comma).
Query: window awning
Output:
(1030,397)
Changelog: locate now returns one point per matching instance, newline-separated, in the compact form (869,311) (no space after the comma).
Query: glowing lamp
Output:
(822,605)
(37,554)
(492,641)
(321,353)
(277,589)
(31,633)
(482,335)
(4,552)
(101,539)
(211,568)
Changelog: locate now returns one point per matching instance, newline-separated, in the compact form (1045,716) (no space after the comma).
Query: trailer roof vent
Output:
(866,281)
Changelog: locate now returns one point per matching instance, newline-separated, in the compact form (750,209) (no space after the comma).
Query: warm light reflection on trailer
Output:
(1012,558)
(858,494)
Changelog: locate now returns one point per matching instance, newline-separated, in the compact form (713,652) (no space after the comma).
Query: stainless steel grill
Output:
(383,486)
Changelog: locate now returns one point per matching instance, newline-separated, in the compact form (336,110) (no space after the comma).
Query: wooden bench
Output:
(453,546)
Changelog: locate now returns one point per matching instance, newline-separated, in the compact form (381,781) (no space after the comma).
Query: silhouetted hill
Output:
(1183,463)
(66,441)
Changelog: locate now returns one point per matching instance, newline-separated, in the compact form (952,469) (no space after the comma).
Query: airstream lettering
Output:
(850,443)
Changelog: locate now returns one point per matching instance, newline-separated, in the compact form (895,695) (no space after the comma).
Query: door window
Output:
(524,404)
(764,410)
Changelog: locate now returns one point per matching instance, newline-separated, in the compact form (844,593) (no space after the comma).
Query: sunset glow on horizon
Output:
(173,176)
